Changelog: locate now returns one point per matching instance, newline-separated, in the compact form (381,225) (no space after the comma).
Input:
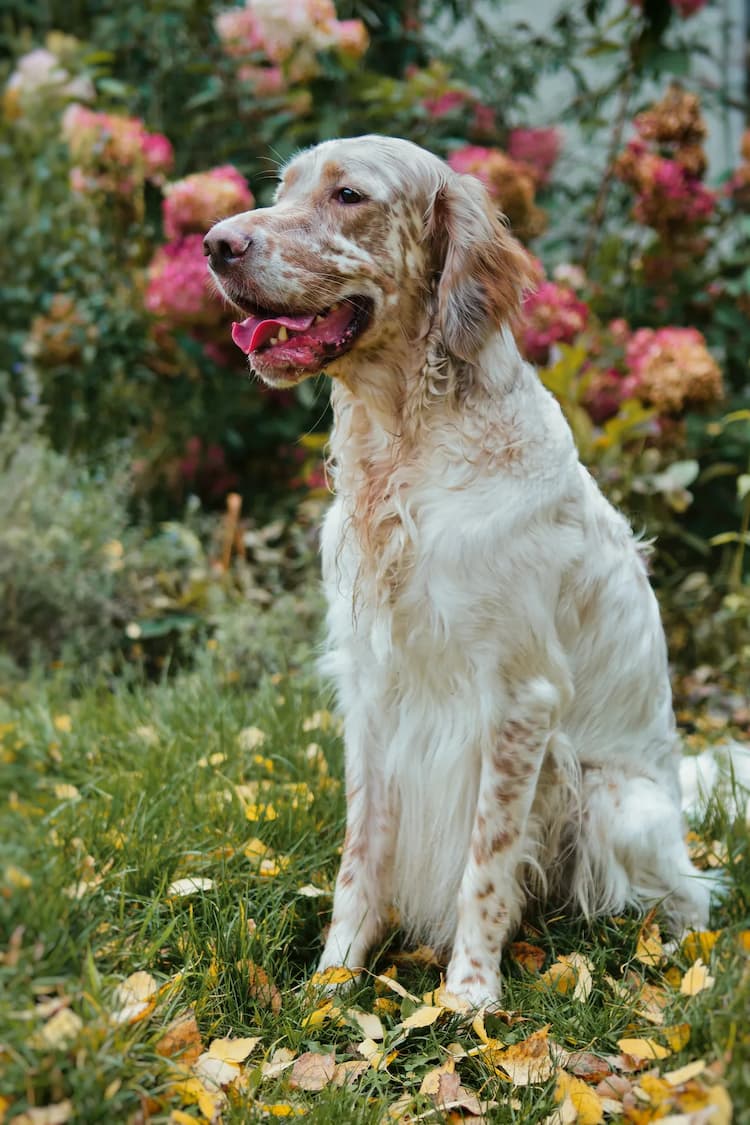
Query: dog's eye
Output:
(348,195)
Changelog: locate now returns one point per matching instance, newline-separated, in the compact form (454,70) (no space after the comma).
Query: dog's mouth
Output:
(307,341)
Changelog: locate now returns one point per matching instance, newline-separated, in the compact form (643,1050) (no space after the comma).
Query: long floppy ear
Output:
(484,269)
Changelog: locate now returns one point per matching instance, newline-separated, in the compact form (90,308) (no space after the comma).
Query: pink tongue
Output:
(255,331)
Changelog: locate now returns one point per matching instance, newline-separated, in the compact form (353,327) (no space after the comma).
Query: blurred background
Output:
(153,496)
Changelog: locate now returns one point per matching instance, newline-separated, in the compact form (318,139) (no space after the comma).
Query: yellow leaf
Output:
(394,986)
(281,1109)
(719,1099)
(643,1048)
(587,1103)
(255,848)
(320,1015)
(422,1017)
(63,723)
(677,1035)
(337,974)
(179,1117)
(214,1073)
(312,1071)
(59,1031)
(134,998)
(696,979)
(700,943)
(56,1114)
(385,1005)
(233,1050)
(685,1073)
(65,792)
(431,1081)
(649,950)
(209,1102)
(189,886)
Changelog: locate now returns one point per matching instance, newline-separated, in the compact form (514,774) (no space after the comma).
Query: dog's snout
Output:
(225,247)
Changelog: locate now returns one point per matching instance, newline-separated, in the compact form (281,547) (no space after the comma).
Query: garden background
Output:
(170,767)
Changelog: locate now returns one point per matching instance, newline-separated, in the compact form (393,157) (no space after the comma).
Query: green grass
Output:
(113,791)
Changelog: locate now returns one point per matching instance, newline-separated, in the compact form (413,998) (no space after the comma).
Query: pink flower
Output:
(445,103)
(266,81)
(539,148)
(472,160)
(112,152)
(684,8)
(673,367)
(551,315)
(195,202)
(351,37)
(177,290)
(158,155)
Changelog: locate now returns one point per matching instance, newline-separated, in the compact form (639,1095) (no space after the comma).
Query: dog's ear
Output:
(483,269)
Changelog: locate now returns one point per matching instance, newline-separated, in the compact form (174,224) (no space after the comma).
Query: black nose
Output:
(225,248)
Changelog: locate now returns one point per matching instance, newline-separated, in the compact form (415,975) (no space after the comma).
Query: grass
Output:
(112,792)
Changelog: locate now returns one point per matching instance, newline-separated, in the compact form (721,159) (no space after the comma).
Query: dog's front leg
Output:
(363,885)
(490,897)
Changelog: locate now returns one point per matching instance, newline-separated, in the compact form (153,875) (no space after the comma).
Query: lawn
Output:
(168,855)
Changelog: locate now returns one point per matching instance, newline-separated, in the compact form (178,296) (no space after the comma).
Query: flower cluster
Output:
(280,40)
(192,204)
(673,368)
(510,184)
(664,164)
(45,74)
(739,185)
(59,335)
(177,292)
(113,153)
(552,314)
(538,149)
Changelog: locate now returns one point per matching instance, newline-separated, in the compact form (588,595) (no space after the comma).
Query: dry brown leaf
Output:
(312,1071)
(589,1067)
(181,1040)
(530,957)
(585,1102)
(347,1073)
(526,1063)
(261,988)
(697,979)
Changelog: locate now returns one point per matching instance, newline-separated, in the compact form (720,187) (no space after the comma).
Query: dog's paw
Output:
(477,989)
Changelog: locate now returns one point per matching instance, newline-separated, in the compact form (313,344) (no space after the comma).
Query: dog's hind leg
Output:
(631,850)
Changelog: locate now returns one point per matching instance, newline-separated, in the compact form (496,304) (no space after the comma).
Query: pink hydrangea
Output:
(674,368)
(40,74)
(551,315)
(195,202)
(538,148)
(444,103)
(113,152)
(177,290)
(684,8)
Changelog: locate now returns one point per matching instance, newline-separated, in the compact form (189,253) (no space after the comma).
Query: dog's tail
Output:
(720,773)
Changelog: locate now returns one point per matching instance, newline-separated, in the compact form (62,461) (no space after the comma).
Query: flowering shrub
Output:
(278,44)
(673,369)
(511,184)
(552,314)
(178,291)
(113,153)
(45,75)
(192,204)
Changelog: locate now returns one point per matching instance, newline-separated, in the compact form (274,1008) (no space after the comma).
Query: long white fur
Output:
(492,634)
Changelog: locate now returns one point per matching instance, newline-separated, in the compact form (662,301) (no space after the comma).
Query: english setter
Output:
(496,646)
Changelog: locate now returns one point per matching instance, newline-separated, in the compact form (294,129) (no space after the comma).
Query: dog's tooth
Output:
(319,319)
(283,335)
(273,341)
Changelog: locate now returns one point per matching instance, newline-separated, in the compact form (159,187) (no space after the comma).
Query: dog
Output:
(495,643)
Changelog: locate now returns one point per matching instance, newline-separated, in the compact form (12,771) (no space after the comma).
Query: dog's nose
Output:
(225,248)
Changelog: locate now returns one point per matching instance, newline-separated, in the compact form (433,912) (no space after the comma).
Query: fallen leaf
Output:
(347,1073)
(422,1017)
(311,891)
(677,1035)
(529,957)
(649,949)
(526,1063)
(261,988)
(59,1031)
(250,738)
(56,1114)
(643,1048)
(213,1072)
(369,1023)
(312,1071)
(192,1091)
(423,955)
(699,943)
(181,1040)
(585,1101)
(336,974)
(685,1073)
(697,979)
(63,723)
(560,977)
(134,998)
(394,986)
(587,1066)
(280,1060)
(233,1050)
(189,886)
(179,1117)
(64,791)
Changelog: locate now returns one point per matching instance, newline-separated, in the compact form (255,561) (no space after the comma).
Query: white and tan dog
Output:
(496,646)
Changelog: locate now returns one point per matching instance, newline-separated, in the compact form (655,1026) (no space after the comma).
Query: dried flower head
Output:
(674,368)
(510,183)
(193,204)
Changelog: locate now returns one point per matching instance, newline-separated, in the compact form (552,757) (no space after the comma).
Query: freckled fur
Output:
(496,648)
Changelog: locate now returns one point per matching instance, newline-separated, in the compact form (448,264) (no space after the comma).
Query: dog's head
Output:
(369,241)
